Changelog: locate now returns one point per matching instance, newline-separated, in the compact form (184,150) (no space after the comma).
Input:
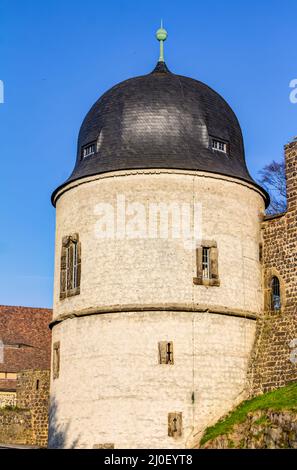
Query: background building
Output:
(24,374)
(26,340)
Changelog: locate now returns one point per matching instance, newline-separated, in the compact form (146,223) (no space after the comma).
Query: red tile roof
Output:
(27,340)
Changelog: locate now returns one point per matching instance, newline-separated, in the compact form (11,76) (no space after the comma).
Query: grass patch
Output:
(284,398)
(262,421)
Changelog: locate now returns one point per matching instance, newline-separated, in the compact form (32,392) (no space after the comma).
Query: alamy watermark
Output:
(136,220)
(1,92)
(293,94)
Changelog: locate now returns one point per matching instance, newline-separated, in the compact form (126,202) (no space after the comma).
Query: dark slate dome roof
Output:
(160,120)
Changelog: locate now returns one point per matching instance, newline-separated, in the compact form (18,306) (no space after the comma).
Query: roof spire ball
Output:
(161,35)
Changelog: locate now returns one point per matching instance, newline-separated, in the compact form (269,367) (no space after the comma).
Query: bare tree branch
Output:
(273,179)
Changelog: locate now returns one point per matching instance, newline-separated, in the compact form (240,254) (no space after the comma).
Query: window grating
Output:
(88,150)
(206,263)
(219,145)
(75,266)
(275,294)
(71,266)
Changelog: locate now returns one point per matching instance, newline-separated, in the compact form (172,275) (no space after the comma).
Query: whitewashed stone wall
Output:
(147,271)
(111,388)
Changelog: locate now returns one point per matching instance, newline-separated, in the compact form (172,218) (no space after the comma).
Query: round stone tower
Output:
(157,271)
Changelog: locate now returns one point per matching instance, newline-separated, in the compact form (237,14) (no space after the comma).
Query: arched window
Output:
(275,294)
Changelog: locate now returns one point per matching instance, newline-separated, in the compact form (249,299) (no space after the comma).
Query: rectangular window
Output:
(166,352)
(70,266)
(207,264)
(219,145)
(75,266)
(68,274)
(8,375)
(174,424)
(56,360)
(260,252)
(11,375)
(88,150)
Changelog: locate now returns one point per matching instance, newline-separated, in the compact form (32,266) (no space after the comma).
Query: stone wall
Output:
(15,426)
(33,394)
(272,364)
(7,399)
(27,422)
(121,394)
(121,271)
(135,293)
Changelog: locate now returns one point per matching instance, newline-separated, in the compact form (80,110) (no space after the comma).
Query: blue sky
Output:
(58,57)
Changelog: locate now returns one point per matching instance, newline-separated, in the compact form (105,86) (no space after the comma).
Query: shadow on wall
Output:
(57,432)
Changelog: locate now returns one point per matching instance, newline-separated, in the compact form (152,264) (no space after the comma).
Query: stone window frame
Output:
(163,352)
(56,360)
(70,254)
(268,277)
(213,279)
